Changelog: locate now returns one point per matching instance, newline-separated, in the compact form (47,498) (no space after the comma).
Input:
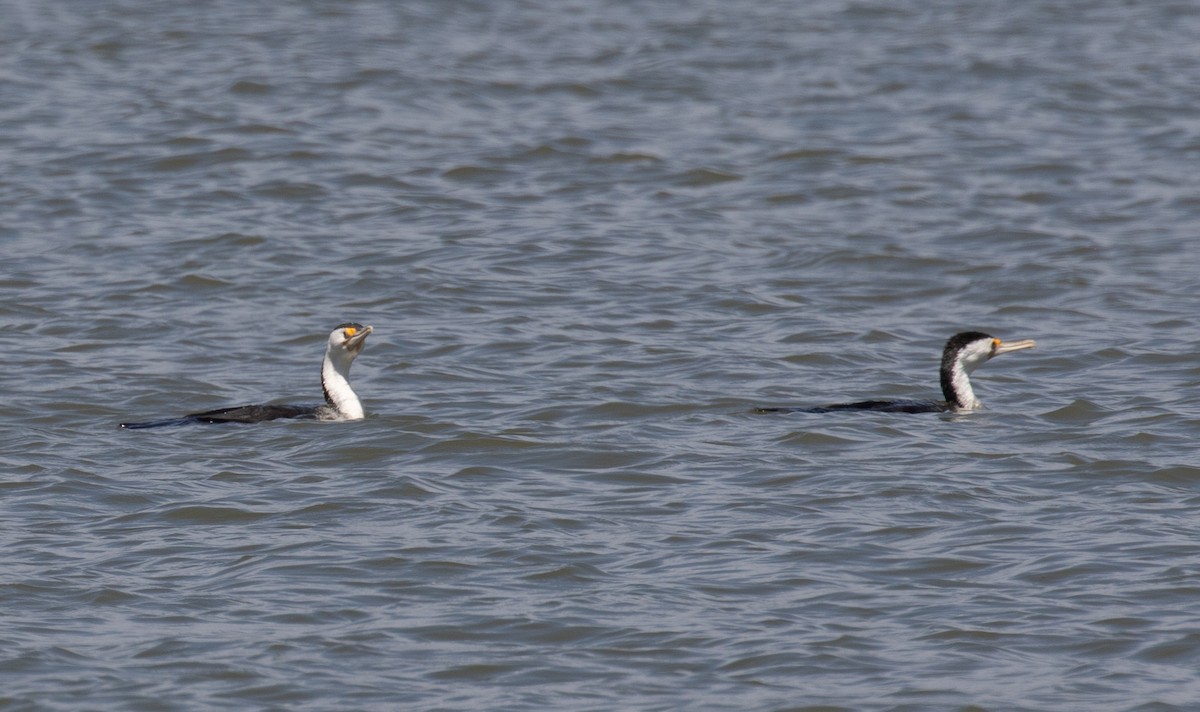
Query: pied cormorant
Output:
(963,354)
(341,403)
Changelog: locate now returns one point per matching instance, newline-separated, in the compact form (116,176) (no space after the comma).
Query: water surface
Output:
(592,237)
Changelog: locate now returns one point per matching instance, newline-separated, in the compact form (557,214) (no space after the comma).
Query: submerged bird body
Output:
(963,353)
(878,406)
(341,402)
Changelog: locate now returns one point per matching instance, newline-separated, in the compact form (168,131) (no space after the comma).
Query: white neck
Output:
(960,381)
(335,379)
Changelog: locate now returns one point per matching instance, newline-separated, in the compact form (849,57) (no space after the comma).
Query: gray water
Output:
(591,238)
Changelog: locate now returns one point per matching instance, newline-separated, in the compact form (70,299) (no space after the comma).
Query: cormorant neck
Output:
(956,387)
(335,381)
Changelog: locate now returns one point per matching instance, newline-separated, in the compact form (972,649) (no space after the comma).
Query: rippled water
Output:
(591,237)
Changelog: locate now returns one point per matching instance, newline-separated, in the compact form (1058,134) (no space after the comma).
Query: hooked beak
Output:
(355,342)
(1003,347)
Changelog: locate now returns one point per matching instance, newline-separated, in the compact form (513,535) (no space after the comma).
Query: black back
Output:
(876,406)
(254,413)
(236,414)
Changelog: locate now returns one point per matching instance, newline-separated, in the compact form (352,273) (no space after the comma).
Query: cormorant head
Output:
(345,343)
(347,339)
(963,354)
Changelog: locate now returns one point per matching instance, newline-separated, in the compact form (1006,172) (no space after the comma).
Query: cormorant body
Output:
(962,354)
(341,403)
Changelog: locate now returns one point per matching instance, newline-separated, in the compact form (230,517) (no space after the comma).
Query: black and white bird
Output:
(341,402)
(963,354)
